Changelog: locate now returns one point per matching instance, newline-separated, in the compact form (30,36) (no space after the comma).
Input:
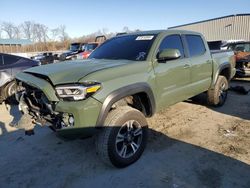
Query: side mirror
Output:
(168,54)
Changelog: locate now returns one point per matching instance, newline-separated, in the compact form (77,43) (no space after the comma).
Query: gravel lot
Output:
(190,145)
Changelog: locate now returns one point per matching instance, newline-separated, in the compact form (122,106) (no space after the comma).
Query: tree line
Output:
(44,38)
(33,31)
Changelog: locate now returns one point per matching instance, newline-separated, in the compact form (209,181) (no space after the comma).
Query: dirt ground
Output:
(190,145)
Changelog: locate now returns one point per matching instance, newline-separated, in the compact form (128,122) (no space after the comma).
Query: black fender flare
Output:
(221,68)
(121,93)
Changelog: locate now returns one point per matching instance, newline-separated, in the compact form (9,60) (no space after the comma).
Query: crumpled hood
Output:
(72,71)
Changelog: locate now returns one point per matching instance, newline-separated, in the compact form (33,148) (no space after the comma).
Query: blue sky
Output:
(85,17)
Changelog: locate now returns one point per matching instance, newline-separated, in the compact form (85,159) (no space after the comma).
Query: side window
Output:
(195,45)
(172,42)
(9,59)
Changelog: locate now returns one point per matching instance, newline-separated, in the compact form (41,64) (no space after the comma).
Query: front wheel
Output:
(218,95)
(123,139)
(9,92)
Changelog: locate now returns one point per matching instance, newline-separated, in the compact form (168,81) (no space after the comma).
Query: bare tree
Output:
(125,29)
(17,32)
(105,31)
(8,27)
(55,33)
(36,35)
(62,32)
(44,31)
(27,28)
(40,33)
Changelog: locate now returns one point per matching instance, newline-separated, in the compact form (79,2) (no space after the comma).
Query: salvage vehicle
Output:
(74,49)
(126,79)
(242,53)
(44,58)
(10,65)
(88,49)
(91,46)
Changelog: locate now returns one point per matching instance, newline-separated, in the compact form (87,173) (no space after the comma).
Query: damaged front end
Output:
(38,110)
(243,64)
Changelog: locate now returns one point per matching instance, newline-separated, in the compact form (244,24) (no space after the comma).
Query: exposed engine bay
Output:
(37,109)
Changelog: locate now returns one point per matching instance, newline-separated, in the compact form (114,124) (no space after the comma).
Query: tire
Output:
(217,96)
(2,95)
(123,139)
(9,93)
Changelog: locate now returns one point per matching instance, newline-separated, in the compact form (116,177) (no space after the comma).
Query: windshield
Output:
(131,47)
(74,47)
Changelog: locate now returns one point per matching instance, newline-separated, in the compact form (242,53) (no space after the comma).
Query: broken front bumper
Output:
(65,117)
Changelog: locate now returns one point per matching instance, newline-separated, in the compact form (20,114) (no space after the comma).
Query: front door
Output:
(173,76)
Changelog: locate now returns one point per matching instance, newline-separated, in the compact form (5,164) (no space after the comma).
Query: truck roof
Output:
(156,32)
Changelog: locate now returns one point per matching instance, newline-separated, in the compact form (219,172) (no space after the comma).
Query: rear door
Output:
(201,63)
(173,76)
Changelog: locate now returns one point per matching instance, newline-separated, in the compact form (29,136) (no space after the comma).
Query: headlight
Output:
(76,92)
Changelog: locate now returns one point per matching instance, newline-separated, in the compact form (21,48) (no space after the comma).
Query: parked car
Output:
(91,46)
(74,50)
(88,49)
(10,65)
(44,58)
(242,52)
(126,79)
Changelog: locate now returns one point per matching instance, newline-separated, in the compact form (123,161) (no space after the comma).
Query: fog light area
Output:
(67,120)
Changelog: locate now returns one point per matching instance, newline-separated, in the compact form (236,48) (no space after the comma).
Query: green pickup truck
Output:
(126,79)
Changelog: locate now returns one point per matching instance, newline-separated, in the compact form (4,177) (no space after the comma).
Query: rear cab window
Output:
(195,44)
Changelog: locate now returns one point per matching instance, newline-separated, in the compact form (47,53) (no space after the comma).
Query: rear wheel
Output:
(123,139)
(218,95)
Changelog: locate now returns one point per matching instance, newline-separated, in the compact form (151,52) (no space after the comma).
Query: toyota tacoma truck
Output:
(125,80)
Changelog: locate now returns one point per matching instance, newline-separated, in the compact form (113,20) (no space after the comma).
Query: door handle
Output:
(186,66)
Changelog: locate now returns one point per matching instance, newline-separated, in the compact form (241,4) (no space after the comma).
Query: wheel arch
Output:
(223,70)
(141,91)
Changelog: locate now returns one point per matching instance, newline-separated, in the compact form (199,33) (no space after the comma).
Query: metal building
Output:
(232,27)
(12,45)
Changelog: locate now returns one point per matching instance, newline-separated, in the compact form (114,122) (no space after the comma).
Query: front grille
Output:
(36,100)
(38,106)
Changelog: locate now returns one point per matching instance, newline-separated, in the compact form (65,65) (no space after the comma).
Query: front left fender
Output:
(5,78)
